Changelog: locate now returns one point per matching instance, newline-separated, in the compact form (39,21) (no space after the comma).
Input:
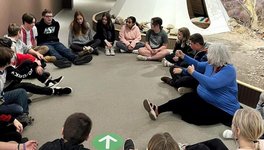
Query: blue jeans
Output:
(15,102)
(58,50)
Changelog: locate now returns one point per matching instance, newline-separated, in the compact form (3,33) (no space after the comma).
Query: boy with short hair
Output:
(76,130)
(48,31)
(29,33)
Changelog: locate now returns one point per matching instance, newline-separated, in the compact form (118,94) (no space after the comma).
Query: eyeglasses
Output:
(48,16)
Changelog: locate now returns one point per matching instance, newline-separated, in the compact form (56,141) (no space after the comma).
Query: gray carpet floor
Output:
(111,90)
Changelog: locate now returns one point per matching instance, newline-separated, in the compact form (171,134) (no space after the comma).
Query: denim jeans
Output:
(58,50)
(15,102)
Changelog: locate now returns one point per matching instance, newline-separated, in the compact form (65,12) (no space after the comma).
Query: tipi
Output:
(175,12)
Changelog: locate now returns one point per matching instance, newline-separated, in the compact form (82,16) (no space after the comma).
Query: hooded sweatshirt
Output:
(59,144)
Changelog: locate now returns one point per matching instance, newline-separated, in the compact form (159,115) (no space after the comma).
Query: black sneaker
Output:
(62,91)
(129,145)
(82,60)
(54,82)
(95,51)
(62,63)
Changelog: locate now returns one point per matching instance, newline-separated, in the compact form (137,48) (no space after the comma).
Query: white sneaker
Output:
(107,52)
(112,51)
(228,134)
(122,51)
(163,62)
(143,58)
(135,51)
(88,49)
(184,90)
(166,63)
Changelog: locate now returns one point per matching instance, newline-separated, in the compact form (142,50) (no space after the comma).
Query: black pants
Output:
(9,133)
(79,47)
(193,109)
(29,87)
(179,63)
(213,144)
(179,80)
(25,66)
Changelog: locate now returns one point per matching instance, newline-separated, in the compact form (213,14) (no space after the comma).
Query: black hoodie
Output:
(59,144)
(47,33)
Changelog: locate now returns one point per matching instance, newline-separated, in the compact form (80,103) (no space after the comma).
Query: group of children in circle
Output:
(247,124)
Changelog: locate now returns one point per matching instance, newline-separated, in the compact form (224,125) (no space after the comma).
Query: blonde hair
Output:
(250,124)
(162,141)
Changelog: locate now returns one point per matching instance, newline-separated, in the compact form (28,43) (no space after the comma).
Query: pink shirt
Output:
(130,36)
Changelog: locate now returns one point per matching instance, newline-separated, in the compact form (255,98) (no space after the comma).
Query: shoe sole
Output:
(148,108)
(70,90)
(62,64)
(87,59)
(184,91)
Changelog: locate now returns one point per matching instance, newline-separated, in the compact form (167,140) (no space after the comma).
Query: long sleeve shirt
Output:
(217,88)
(80,39)
(130,36)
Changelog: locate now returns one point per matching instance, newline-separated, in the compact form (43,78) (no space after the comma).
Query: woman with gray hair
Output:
(215,100)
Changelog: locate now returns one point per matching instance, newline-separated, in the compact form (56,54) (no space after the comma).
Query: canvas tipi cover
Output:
(173,12)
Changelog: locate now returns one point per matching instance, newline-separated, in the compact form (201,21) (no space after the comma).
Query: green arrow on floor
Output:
(108,142)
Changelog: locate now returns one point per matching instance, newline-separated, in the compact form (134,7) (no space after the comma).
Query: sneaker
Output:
(183,145)
(166,63)
(143,58)
(228,134)
(54,82)
(82,60)
(88,49)
(25,119)
(163,62)
(50,59)
(95,51)
(112,51)
(167,80)
(82,53)
(29,94)
(62,63)
(122,51)
(135,51)
(149,108)
(129,145)
(62,91)
(107,52)
(261,98)
(184,90)
(29,101)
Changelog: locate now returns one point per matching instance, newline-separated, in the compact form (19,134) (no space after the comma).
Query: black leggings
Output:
(79,47)
(193,109)
(29,87)
(213,144)
(179,80)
